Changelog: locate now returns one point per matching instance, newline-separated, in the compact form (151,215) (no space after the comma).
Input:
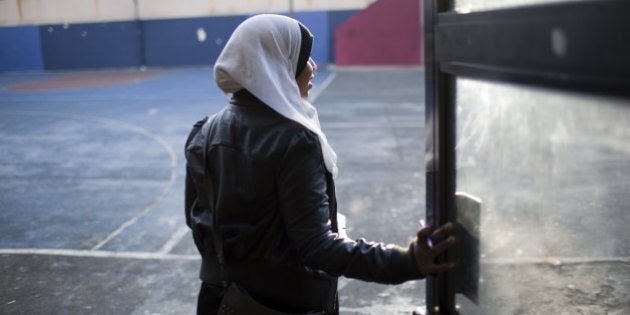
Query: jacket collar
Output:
(244,97)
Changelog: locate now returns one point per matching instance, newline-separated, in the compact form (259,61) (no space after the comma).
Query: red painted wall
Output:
(388,32)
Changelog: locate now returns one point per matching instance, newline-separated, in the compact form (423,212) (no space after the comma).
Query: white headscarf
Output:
(261,56)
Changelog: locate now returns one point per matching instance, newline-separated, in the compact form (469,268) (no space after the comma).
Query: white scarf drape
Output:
(261,56)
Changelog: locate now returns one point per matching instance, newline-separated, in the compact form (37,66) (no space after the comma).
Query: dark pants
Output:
(210,297)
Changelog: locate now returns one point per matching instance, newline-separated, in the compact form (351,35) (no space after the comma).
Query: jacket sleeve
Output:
(190,195)
(304,205)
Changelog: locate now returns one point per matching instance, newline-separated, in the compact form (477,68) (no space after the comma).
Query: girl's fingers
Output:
(442,246)
(424,233)
(443,232)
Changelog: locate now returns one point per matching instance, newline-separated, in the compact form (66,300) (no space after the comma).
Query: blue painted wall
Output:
(317,23)
(91,45)
(322,24)
(154,43)
(335,18)
(20,48)
(175,41)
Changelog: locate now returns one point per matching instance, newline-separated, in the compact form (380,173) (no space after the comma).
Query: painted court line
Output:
(165,256)
(556,260)
(158,199)
(174,239)
(85,79)
(169,150)
(316,92)
(97,254)
(371,125)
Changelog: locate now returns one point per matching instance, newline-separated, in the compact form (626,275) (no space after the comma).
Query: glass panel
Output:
(465,6)
(553,172)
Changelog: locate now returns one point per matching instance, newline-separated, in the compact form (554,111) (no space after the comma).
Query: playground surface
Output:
(92,168)
(92,180)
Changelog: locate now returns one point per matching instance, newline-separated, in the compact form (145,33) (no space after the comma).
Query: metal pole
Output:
(440,152)
(140,34)
(136,10)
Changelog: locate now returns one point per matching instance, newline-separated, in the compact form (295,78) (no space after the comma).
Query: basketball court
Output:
(91,196)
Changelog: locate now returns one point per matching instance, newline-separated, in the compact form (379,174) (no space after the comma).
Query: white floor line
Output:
(165,256)
(317,92)
(363,68)
(555,260)
(174,239)
(134,128)
(158,199)
(353,125)
(97,254)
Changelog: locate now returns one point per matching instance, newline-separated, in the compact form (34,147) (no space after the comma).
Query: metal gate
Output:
(527,109)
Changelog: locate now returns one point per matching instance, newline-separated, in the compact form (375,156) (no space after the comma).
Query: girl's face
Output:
(305,77)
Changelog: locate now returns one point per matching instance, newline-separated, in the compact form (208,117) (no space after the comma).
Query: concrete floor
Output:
(91,198)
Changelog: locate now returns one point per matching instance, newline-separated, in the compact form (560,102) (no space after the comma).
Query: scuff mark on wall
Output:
(96,8)
(19,8)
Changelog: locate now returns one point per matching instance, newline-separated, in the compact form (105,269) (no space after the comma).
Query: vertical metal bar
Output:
(432,292)
(140,34)
(440,156)
(447,178)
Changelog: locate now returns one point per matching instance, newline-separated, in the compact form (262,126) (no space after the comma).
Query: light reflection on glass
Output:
(467,6)
(553,171)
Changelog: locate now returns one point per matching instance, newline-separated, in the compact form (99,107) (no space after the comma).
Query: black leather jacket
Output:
(275,207)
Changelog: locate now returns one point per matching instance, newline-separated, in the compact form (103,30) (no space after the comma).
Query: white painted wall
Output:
(21,12)
(164,8)
(9,12)
(64,11)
